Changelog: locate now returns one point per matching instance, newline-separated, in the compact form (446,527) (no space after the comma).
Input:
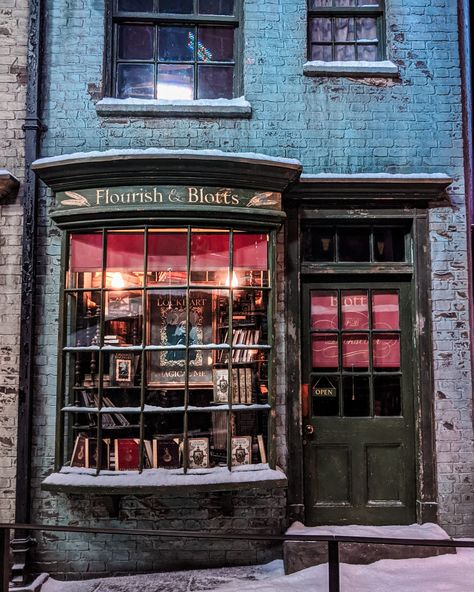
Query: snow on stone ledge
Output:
(412,531)
(379,177)
(238,107)
(133,482)
(320,68)
(163,152)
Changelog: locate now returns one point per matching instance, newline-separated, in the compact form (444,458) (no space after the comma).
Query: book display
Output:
(177,355)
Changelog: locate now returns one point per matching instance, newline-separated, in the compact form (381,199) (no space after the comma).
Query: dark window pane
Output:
(389,244)
(325,395)
(345,53)
(318,244)
(176,44)
(215,82)
(356,396)
(135,42)
(175,81)
(321,29)
(387,399)
(321,52)
(355,352)
(176,6)
(366,29)
(367,53)
(354,244)
(344,29)
(135,81)
(215,44)
(324,351)
(135,5)
(216,6)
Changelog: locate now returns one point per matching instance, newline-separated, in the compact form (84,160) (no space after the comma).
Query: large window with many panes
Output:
(174,50)
(166,349)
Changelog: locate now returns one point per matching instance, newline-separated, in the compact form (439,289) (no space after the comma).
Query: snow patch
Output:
(370,176)
(350,64)
(237,102)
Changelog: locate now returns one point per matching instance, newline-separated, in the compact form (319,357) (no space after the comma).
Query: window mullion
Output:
(231,351)
(186,358)
(142,353)
(101,353)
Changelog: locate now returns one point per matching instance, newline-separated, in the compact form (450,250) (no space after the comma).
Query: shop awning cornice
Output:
(159,166)
(9,184)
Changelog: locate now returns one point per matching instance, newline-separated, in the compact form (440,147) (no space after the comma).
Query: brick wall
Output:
(338,125)
(13,27)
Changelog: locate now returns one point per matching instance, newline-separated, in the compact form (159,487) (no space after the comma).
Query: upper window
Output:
(345,30)
(170,49)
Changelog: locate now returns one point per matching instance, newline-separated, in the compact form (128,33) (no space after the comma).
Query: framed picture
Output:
(167,328)
(198,453)
(123,369)
(241,450)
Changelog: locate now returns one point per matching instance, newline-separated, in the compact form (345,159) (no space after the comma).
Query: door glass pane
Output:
(176,44)
(318,243)
(354,244)
(389,244)
(324,310)
(325,395)
(135,81)
(387,395)
(175,81)
(176,6)
(215,44)
(324,351)
(385,310)
(216,7)
(215,82)
(386,352)
(135,42)
(356,394)
(355,352)
(355,309)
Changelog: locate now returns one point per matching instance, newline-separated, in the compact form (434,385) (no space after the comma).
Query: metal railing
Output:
(332,541)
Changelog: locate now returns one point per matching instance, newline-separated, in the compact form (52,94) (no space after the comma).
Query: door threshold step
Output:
(298,555)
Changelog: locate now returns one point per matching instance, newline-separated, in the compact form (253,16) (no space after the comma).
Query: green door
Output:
(358,403)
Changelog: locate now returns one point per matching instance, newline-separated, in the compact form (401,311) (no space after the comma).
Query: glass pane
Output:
(318,244)
(135,42)
(167,321)
(250,261)
(385,310)
(200,430)
(167,257)
(321,52)
(325,395)
(125,259)
(356,394)
(368,2)
(164,438)
(320,3)
(176,6)
(324,310)
(250,325)
(201,361)
(210,258)
(85,261)
(321,29)
(135,81)
(355,309)
(216,6)
(344,2)
(83,313)
(249,425)
(215,82)
(386,351)
(367,53)
(135,5)
(355,352)
(122,369)
(123,318)
(202,308)
(324,351)
(389,244)
(175,82)
(215,44)
(176,44)
(344,29)
(354,244)
(366,29)
(345,53)
(387,396)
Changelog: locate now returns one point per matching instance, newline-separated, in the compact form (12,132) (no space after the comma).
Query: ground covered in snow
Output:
(447,573)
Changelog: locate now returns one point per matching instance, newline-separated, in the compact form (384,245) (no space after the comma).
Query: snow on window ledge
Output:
(77,480)
(238,107)
(383,69)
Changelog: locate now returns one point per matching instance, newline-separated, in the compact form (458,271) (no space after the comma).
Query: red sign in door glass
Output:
(324,351)
(386,351)
(324,310)
(355,309)
(355,351)
(385,310)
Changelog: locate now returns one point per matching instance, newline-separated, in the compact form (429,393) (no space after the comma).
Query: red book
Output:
(127,454)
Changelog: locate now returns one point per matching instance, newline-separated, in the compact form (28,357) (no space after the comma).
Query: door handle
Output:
(309,429)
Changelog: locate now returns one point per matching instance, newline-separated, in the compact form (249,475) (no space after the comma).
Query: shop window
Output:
(345,30)
(172,50)
(167,349)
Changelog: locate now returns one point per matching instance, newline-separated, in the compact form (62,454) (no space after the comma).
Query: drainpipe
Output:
(22,541)
(465,49)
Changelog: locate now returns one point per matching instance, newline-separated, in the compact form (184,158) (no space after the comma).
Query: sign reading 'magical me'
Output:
(167,196)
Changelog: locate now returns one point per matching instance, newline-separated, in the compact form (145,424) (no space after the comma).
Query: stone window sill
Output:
(385,69)
(232,108)
(79,480)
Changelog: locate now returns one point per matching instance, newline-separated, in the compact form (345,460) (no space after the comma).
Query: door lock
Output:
(309,429)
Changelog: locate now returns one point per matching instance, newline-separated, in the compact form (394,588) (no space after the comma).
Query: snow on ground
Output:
(446,573)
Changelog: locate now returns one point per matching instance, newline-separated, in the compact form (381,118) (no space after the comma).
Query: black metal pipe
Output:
(333,566)
(4,559)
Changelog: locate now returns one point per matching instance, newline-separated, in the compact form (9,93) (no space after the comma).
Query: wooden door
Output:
(358,404)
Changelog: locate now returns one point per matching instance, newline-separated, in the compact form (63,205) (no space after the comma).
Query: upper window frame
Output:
(374,11)
(113,16)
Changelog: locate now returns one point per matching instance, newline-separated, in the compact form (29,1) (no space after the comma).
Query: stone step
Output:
(300,555)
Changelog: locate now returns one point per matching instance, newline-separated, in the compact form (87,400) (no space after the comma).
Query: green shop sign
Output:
(166,196)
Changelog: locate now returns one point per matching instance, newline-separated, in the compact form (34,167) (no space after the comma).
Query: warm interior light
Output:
(117,282)
(235,280)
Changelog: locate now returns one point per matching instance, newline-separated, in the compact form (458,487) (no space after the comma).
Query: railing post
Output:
(4,559)
(333,566)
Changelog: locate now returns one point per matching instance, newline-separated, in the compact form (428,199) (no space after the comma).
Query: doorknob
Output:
(309,429)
